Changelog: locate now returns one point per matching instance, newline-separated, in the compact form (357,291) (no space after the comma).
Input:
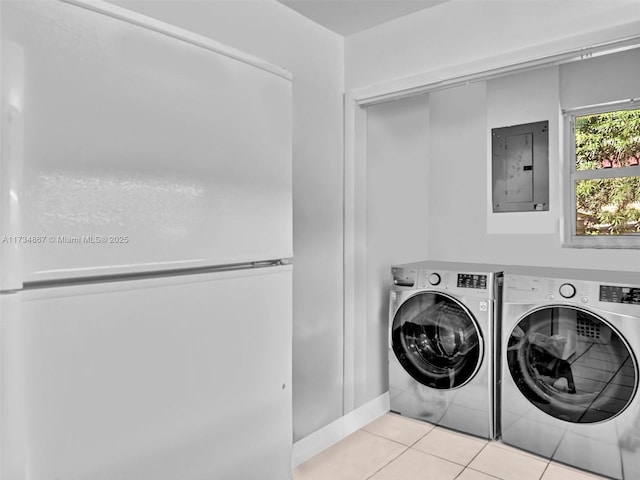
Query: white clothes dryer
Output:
(571,340)
(443,322)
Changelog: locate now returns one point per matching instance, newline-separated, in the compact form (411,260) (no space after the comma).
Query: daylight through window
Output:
(605,173)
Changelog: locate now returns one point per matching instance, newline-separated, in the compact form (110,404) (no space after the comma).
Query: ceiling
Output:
(347,17)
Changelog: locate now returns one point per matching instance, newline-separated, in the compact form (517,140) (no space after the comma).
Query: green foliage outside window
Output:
(608,206)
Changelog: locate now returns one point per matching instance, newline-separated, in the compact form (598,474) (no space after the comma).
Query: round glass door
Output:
(571,364)
(437,341)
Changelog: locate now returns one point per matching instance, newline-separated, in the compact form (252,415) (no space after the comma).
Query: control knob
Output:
(567,290)
(434,279)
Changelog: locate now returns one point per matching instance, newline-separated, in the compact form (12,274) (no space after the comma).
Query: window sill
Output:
(615,243)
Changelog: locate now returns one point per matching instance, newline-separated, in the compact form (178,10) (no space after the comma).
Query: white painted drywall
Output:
(396,225)
(601,79)
(457,187)
(470,34)
(514,100)
(314,55)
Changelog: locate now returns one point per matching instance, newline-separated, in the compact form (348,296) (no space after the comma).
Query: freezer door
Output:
(129,145)
(176,378)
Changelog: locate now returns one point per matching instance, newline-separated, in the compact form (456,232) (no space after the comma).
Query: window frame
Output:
(571,176)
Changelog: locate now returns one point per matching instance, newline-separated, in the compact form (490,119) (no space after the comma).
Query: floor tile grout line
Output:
(479,471)
(479,452)
(566,466)
(392,440)
(417,422)
(518,451)
(412,446)
(493,442)
(544,471)
(388,463)
(433,427)
(465,465)
(423,453)
(441,458)
(407,448)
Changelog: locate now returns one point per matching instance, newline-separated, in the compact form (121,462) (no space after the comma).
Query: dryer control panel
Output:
(527,288)
(524,288)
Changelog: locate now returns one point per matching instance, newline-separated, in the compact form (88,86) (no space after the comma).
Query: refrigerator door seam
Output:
(149,275)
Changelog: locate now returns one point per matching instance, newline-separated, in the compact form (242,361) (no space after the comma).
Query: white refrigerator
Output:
(145,251)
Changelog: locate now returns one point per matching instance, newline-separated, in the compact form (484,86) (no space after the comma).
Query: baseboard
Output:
(321,439)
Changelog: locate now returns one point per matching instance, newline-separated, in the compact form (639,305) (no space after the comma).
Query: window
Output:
(603,188)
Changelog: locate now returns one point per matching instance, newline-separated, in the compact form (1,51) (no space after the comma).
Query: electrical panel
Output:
(520,167)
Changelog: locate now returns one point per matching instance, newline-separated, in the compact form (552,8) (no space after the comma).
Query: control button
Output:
(567,290)
(434,279)
(584,299)
(552,296)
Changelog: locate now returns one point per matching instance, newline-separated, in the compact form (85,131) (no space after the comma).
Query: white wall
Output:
(396,225)
(600,80)
(457,189)
(314,55)
(469,34)
(514,100)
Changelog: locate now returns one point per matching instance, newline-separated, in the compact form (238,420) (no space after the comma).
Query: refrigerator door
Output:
(130,145)
(184,378)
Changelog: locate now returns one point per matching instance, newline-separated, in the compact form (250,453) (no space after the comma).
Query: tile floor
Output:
(398,448)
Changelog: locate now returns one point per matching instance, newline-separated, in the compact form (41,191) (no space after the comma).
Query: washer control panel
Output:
(618,294)
(428,278)
(417,277)
(472,280)
(404,277)
(567,290)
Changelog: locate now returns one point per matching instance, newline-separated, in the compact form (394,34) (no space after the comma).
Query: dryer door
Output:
(437,340)
(572,364)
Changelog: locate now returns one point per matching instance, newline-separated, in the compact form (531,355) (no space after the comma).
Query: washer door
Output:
(572,364)
(437,340)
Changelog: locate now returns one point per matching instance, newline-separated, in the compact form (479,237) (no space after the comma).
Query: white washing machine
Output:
(441,344)
(570,340)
